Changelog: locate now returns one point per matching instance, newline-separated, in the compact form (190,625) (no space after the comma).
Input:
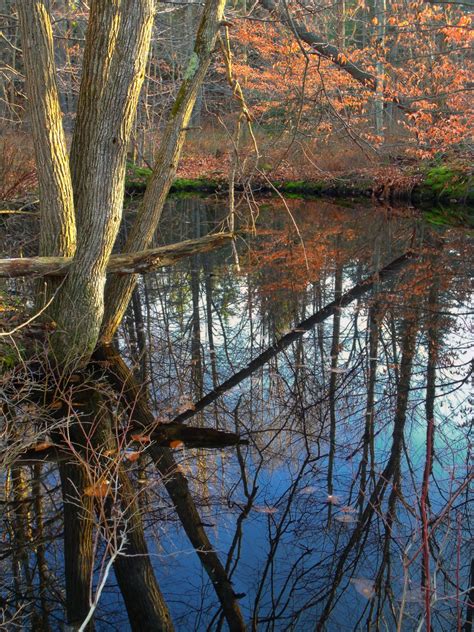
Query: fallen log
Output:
(165,436)
(133,263)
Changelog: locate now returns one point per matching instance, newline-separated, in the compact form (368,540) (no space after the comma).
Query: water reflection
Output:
(349,507)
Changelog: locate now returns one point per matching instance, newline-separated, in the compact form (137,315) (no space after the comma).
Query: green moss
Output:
(448,182)
(136,178)
(192,67)
(294,187)
(195,184)
(459,216)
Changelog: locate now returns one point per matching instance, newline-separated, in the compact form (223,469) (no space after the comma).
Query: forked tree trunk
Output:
(117,44)
(119,289)
(114,61)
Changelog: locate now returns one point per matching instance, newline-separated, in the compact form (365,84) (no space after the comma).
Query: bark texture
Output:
(58,231)
(119,289)
(133,263)
(117,44)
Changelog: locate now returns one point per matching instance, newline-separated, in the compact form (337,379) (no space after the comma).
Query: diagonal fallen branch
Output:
(390,270)
(133,263)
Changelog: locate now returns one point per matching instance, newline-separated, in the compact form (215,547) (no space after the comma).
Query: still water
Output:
(348,506)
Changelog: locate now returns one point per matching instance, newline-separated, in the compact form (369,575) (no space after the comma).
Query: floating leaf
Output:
(413,595)
(345,518)
(141,438)
(265,510)
(44,445)
(333,500)
(307,490)
(55,405)
(364,587)
(98,490)
(338,369)
(132,455)
(176,443)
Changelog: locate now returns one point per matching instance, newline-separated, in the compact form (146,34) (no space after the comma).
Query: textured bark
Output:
(117,44)
(57,232)
(135,262)
(119,289)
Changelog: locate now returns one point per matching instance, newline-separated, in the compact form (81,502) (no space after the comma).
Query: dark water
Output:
(319,519)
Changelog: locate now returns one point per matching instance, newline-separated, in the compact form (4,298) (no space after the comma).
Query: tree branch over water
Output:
(133,263)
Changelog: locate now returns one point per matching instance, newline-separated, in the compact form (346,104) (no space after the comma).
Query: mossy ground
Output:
(438,183)
(446,182)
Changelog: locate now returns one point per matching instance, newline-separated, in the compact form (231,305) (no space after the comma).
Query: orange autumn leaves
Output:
(103,487)
(285,262)
(423,56)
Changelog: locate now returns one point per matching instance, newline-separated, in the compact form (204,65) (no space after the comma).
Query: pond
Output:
(346,507)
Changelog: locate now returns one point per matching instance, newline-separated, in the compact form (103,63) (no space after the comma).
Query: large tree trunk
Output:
(119,289)
(57,222)
(117,43)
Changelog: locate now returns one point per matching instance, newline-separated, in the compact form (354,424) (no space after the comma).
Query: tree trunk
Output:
(117,44)
(57,233)
(57,222)
(119,289)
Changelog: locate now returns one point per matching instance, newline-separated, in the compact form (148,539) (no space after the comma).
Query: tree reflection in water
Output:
(349,507)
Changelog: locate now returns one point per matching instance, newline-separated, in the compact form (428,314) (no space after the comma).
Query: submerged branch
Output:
(163,436)
(133,263)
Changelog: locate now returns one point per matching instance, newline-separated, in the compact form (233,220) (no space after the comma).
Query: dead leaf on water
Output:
(176,444)
(364,587)
(264,509)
